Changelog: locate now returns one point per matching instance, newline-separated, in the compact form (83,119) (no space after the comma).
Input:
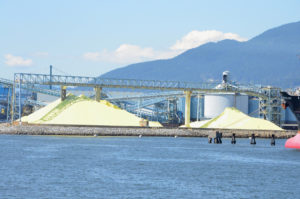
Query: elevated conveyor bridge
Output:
(10,84)
(81,81)
(29,79)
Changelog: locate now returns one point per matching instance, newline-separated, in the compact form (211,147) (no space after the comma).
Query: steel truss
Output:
(29,80)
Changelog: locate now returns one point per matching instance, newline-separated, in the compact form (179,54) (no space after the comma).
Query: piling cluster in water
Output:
(216,137)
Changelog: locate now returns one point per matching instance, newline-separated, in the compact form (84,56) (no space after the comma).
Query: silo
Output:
(181,105)
(242,103)
(197,106)
(253,109)
(214,104)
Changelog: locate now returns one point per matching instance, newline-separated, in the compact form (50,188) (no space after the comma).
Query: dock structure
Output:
(27,80)
(216,136)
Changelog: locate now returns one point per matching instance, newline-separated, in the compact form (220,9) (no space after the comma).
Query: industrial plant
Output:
(169,103)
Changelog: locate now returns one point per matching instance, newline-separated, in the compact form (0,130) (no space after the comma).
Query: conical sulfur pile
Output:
(196,124)
(232,118)
(84,111)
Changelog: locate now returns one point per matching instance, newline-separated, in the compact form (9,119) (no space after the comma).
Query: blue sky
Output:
(92,37)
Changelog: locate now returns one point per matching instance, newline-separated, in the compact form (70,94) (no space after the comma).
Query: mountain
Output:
(271,58)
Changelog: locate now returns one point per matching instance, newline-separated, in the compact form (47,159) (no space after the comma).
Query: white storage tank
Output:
(214,104)
(253,109)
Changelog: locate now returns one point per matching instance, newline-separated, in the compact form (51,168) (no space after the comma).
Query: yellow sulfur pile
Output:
(232,118)
(196,124)
(84,111)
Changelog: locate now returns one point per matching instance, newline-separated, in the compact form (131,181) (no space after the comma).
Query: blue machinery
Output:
(15,93)
(7,92)
(34,82)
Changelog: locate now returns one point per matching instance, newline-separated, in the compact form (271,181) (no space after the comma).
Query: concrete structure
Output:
(187,107)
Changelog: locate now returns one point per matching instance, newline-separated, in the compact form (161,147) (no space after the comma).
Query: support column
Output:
(63,92)
(50,86)
(20,105)
(98,91)
(234,100)
(8,104)
(187,107)
(13,103)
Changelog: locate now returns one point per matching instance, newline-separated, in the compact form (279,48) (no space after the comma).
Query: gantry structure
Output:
(29,80)
(270,107)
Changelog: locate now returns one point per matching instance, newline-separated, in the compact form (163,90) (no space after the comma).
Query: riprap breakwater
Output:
(135,131)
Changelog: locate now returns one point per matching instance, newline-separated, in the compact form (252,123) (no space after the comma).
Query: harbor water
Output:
(146,167)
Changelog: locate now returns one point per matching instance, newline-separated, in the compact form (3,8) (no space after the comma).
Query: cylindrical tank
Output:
(197,106)
(214,104)
(253,109)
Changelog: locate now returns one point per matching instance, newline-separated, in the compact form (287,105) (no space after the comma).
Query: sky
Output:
(92,37)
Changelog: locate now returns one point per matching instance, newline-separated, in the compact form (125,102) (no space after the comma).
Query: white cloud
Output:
(196,38)
(133,52)
(93,56)
(125,53)
(12,60)
(128,53)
